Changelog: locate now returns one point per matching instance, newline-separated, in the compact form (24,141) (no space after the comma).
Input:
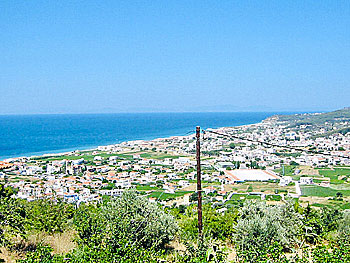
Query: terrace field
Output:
(315,190)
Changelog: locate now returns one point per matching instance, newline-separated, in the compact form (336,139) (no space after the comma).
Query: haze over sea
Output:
(26,135)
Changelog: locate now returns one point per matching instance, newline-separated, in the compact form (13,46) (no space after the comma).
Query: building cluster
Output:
(168,164)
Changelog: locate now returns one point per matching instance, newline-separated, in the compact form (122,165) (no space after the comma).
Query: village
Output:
(234,169)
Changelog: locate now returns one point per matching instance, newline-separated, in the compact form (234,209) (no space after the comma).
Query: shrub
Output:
(12,215)
(215,225)
(343,232)
(260,227)
(42,254)
(126,228)
(48,216)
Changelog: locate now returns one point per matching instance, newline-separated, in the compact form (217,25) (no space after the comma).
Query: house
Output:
(285,180)
(306,180)
(224,165)
(183,183)
(209,189)
(112,192)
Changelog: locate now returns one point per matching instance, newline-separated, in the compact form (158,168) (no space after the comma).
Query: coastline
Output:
(92,148)
(147,132)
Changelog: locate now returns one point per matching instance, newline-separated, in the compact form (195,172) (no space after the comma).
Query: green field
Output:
(245,196)
(159,156)
(340,205)
(146,188)
(333,174)
(273,198)
(166,196)
(86,157)
(288,170)
(315,190)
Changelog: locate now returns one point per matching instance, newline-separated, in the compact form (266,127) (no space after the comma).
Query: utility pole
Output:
(199,182)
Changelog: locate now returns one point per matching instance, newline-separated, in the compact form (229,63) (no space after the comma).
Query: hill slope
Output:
(342,115)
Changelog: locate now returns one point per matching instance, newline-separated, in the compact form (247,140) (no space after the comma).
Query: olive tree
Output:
(261,228)
(122,230)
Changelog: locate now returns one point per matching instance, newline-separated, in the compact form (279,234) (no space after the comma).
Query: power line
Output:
(276,145)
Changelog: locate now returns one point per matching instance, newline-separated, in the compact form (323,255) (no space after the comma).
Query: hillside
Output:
(337,116)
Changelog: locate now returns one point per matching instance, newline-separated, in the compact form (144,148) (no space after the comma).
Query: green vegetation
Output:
(314,119)
(333,174)
(146,188)
(315,190)
(154,155)
(261,226)
(167,196)
(87,157)
(132,229)
(273,198)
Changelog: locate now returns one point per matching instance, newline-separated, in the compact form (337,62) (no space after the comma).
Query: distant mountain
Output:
(314,118)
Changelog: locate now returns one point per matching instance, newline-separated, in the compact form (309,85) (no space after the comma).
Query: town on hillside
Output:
(305,156)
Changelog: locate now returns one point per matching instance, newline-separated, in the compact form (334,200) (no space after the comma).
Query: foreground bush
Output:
(12,216)
(125,229)
(264,230)
(216,225)
(48,216)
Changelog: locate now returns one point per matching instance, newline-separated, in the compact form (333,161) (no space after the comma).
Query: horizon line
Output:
(161,112)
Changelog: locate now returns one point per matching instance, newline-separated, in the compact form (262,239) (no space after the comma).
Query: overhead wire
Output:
(276,145)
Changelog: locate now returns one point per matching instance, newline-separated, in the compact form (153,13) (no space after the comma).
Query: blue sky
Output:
(130,56)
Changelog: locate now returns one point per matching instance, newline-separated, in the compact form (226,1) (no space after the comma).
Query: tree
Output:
(259,227)
(150,225)
(215,225)
(339,195)
(125,229)
(42,254)
(343,231)
(12,216)
(48,216)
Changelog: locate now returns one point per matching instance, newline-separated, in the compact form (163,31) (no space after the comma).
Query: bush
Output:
(140,220)
(42,254)
(215,225)
(334,254)
(260,227)
(48,216)
(12,215)
(343,232)
(126,229)
(202,251)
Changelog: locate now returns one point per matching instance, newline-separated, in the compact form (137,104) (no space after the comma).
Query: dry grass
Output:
(61,243)
(307,170)
(8,256)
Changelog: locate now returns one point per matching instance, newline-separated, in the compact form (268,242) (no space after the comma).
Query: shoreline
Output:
(95,147)
(116,142)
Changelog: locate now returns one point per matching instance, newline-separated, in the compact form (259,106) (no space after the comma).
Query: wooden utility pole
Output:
(199,182)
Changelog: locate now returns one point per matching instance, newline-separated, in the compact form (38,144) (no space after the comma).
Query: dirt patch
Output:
(307,170)
(191,187)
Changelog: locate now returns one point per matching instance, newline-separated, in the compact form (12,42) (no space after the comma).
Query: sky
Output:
(173,56)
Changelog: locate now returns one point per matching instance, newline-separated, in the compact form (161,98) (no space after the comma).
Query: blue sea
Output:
(26,135)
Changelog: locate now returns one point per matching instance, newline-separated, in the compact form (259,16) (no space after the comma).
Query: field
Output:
(166,196)
(88,156)
(154,155)
(265,187)
(315,190)
(335,173)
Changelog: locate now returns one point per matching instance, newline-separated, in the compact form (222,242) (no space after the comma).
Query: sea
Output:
(28,135)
